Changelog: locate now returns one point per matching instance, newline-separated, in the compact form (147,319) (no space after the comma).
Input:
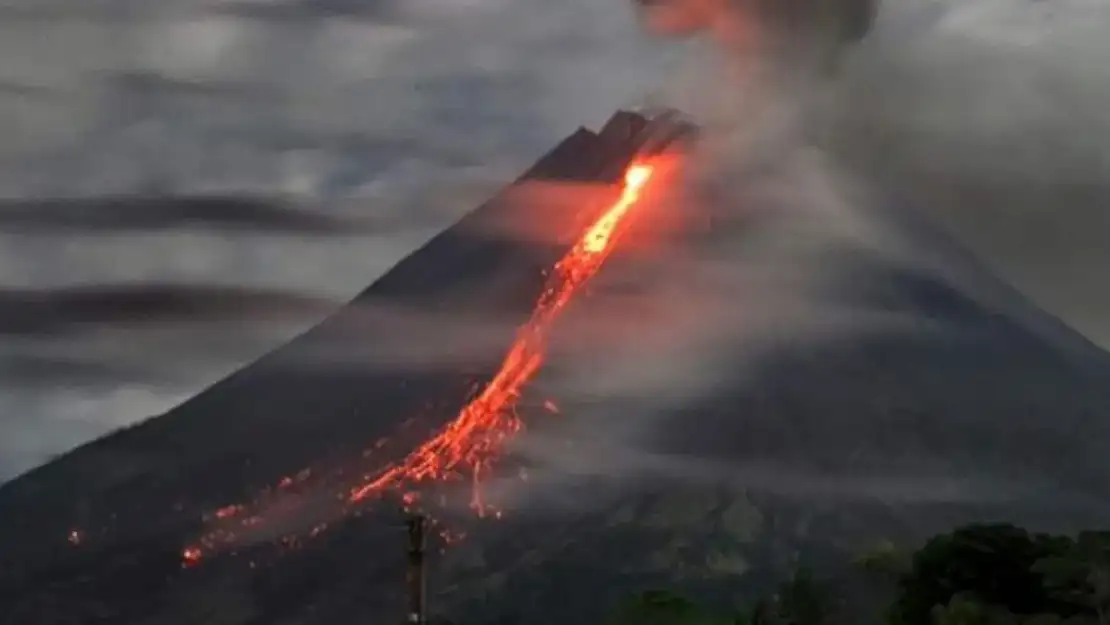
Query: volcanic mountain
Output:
(973,406)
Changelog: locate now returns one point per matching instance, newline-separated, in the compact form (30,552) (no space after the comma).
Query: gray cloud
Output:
(60,311)
(81,360)
(121,214)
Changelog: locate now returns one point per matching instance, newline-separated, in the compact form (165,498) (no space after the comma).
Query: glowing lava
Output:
(191,556)
(473,439)
(482,426)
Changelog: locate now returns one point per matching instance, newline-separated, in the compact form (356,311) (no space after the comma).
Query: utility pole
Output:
(417,525)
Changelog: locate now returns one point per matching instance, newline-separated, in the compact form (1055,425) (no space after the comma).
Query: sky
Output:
(330,137)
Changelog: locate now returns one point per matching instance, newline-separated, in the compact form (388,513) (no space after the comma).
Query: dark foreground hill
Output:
(984,410)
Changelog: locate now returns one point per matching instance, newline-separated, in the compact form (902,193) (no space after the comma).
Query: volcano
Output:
(986,409)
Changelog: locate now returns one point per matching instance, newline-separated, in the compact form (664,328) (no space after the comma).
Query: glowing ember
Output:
(228,511)
(473,438)
(74,537)
(191,556)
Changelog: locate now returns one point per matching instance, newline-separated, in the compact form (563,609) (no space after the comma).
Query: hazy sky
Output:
(378,123)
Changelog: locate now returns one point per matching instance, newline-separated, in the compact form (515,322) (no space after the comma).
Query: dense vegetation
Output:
(974,575)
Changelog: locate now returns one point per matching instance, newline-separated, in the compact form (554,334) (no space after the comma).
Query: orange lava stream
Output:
(474,437)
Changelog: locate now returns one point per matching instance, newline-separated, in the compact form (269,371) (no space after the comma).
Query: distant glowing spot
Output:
(228,511)
(190,556)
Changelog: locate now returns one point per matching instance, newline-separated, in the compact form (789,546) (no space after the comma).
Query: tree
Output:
(975,575)
(966,610)
(802,600)
(761,613)
(1081,575)
(886,561)
(991,564)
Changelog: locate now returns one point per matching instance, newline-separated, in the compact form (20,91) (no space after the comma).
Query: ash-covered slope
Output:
(979,413)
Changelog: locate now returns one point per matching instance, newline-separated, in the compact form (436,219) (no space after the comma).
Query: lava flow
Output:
(471,442)
(474,437)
